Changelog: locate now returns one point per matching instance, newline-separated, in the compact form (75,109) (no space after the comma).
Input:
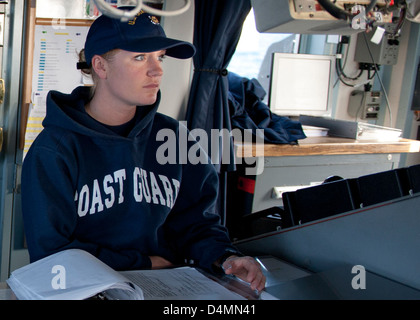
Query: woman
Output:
(92,179)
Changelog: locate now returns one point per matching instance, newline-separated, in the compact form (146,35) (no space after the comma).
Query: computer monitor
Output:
(301,84)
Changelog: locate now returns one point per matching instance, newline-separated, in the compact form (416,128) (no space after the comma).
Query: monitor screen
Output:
(301,84)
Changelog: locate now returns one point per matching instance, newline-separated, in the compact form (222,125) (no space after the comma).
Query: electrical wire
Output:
(339,67)
(125,15)
(343,74)
(380,79)
(343,78)
(342,14)
(403,14)
(370,6)
(334,10)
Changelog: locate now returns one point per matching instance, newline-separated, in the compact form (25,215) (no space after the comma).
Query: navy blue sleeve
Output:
(193,224)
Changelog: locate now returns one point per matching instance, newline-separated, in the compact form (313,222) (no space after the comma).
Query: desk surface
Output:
(286,281)
(326,146)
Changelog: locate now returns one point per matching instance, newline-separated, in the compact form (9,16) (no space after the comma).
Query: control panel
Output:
(383,53)
(365,104)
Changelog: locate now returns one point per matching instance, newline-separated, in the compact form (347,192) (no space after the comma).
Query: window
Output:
(253,55)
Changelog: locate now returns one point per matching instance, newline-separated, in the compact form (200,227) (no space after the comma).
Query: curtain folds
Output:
(218,25)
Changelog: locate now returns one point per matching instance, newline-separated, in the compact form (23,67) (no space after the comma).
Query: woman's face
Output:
(133,78)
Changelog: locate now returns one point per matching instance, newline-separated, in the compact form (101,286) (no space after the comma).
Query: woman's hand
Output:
(160,263)
(247,269)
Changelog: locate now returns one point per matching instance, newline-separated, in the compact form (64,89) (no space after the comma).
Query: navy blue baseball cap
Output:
(143,33)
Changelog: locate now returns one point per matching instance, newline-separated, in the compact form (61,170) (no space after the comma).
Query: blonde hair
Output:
(90,71)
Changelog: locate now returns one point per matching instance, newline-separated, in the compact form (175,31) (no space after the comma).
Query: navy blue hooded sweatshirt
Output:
(86,187)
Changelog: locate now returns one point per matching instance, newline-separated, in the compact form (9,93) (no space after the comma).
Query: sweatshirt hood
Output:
(67,111)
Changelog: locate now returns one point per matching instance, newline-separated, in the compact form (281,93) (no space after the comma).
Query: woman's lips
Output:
(152,86)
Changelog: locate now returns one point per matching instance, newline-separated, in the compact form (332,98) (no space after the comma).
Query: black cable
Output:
(339,13)
(335,11)
(371,5)
(339,68)
(403,14)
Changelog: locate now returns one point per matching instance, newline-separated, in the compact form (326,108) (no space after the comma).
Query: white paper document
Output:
(75,275)
(179,284)
(69,275)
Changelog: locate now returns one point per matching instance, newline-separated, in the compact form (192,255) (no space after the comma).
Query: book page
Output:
(179,284)
(67,275)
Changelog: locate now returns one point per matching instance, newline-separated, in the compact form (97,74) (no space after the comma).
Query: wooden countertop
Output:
(326,146)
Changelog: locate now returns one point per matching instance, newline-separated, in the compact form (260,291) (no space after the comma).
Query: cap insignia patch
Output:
(154,19)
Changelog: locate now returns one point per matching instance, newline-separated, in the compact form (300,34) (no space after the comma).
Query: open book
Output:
(75,275)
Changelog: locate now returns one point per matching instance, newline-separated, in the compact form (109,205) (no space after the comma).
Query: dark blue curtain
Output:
(218,26)
(217,29)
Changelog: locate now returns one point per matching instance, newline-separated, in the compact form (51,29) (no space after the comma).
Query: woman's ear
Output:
(99,66)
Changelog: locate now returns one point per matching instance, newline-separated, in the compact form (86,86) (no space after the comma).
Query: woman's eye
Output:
(140,57)
(162,57)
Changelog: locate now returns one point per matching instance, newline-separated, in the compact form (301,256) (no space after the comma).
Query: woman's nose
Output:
(155,68)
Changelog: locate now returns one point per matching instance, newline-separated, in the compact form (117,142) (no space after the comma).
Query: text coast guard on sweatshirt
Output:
(108,191)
